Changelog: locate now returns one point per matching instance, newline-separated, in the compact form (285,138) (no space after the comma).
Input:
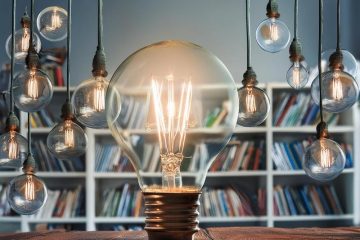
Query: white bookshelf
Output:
(347,185)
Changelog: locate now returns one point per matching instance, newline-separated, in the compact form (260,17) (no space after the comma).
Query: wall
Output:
(216,25)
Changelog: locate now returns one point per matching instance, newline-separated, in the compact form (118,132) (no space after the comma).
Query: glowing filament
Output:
(69,134)
(296,74)
(33,86)
(13,146)
(56,22)
(25,39)
(325,158)
(250,102)
(274,31)
(29,189)
(337,91)
(99,98)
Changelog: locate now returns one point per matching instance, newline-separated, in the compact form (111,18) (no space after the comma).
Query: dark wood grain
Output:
(229,233)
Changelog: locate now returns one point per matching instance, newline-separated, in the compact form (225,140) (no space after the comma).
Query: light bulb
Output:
(297,76)
(272,35)
(26,194)
(13,149)
(339,91)
(33,90)
(88,100)
(254,106)
(52,23)
(324,160)
(22,39)
(67,140)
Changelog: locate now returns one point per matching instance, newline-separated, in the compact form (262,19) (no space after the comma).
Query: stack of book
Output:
(5,209)
(231,202)
(298,109)
(64,203)
(110,158)
(42,118)
(241,155)
(306,200)
(55,74)
(124,201)
(288,156)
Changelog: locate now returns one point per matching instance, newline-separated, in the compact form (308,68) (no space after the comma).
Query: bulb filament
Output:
(250,102)
(13,146)
(325,158)
(69,134)
(274,31)
(99,97)
(25,40)
(337,90)
(296,74)
(56,21)
(32,86)
(29,189)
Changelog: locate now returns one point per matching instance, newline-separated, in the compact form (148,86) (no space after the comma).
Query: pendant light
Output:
(32,87)
(324,159)
(272,34)
(254,104)
(340,89)
(27,193)
(22,38)
(51,23)
(297,76)
(89,97)
(67,139)
(13,145)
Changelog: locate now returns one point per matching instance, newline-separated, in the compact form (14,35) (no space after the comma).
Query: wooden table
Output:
(228,233)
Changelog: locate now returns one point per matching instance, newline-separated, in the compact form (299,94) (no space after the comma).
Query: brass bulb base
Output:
(12,122)
(295,51)
(322,131)
(336,60)
(272,9)
(171,215)
(249,78)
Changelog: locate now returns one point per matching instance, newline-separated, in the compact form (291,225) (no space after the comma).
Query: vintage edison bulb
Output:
(272,35)
(88,101)
(33,90)
(297,76)
(339,89)
(22,40)
(349,61)
(67,140)
(52,23)
(168,91)
(13,149)
(254,106)
(26,194)
(324,160)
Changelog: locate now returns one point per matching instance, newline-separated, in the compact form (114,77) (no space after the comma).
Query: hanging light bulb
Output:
(22,40)
(272,34)
(349,61)
(51,23)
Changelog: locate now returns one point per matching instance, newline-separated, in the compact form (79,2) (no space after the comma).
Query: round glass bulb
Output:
(22,39)
(297,76)
(272,35)
(349,61)
(33,90)
(339,91)
(324,160)
(67,140)
(179,100)
(13,149)
(254,106)
(88,101)
(52,23)
(26,194)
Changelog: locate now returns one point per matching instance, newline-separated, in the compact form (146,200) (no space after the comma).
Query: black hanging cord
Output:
(12,55)
(31,22)
(248,49)
(68,51)
(100,25)
(29,134)
(319,56)
(338,25)
(296,10)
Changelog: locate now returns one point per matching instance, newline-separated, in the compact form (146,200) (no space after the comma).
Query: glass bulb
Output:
(297,76)
(324,160)
(22,39)
(272,35)
(13,149)
(89,103)
(168,93)
(254,106)
(67,140)
(33,90)
(26,194)
(339,91)
(52,23)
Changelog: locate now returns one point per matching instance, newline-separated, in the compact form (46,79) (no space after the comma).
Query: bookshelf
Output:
(249,181)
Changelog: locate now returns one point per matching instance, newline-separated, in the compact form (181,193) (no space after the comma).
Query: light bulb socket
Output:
(322,130)
(249,78)
(29,165)
(171,215)
(12,122)
(295,50)
(99,63)
(272,9)
(67,112)
(336,60)
(32,58)
(25,20)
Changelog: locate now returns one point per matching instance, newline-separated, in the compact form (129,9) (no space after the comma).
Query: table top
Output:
(228,233)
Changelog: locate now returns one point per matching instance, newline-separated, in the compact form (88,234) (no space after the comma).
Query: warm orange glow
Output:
(69,134)
(99,97)
(29,192)
(13,146)
(274,31)
(32,86)
(25,40)
(337,90)
(250,102)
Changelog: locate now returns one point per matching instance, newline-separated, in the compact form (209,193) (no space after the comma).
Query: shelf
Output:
(301,172)
(8,219)
(239,129)
(313,218)
(61,174)
(57,220)
(311,129)
(44,130)
(63,89)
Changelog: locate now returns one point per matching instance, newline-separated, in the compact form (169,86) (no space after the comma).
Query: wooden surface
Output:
(229,233)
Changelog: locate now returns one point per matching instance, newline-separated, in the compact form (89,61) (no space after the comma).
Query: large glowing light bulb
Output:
(52,23)
(297,76)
